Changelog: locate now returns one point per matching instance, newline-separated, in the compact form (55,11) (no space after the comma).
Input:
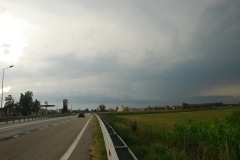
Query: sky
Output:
(133,53)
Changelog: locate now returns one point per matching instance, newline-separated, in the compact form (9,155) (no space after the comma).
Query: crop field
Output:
(169,119)
(207,134)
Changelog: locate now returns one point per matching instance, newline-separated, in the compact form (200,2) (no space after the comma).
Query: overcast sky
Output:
(121,52)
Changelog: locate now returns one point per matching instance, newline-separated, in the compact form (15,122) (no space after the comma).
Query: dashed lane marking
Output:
(68,153)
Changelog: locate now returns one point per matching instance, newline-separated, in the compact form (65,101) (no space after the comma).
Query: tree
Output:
(184,105)
(86,110)
(18,108)
(9,102)
(9,105)
(26,103)
(102,108)
(36,106)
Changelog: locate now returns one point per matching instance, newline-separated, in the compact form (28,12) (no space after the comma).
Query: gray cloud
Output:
(133,53)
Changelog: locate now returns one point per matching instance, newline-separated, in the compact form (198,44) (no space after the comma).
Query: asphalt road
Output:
(15,129)
(64,139)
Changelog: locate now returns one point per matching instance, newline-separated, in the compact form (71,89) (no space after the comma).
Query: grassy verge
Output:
(98,148)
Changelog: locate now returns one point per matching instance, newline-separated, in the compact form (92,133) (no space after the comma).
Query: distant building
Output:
(158,108)
(123,109)
(112,110)
(176,107)
(65,106)
(133,109)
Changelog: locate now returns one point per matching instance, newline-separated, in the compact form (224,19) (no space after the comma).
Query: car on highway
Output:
(81,114)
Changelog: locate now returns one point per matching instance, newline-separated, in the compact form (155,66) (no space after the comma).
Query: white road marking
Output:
(68,153)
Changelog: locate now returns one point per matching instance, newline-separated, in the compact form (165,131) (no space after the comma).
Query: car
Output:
(81,114)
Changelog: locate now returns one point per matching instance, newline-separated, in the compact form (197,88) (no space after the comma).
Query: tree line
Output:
(25,106)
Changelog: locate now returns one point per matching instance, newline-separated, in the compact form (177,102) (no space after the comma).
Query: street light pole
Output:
(2,84)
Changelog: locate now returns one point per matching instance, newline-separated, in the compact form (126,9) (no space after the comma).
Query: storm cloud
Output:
(135,53)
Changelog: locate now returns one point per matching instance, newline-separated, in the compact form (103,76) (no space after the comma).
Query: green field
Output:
(167,120)
(206,134)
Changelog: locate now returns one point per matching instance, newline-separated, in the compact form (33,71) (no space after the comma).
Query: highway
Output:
(65,138)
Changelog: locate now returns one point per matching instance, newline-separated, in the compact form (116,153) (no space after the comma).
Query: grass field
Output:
(206,134)
(167,120)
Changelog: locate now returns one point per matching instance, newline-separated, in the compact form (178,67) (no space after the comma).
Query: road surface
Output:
(63,138)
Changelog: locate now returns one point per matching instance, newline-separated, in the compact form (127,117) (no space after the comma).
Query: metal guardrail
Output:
(116,148)
(14,119)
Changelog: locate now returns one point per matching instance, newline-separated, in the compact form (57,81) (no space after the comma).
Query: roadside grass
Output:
(209,134)
(98,149)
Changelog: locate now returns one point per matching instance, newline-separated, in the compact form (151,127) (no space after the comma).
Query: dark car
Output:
(81,114)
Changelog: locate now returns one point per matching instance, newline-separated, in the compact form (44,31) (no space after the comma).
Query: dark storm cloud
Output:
(215,44)
(130,52)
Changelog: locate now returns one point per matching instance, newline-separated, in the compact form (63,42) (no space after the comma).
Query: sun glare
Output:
(5,89)
(12,40)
